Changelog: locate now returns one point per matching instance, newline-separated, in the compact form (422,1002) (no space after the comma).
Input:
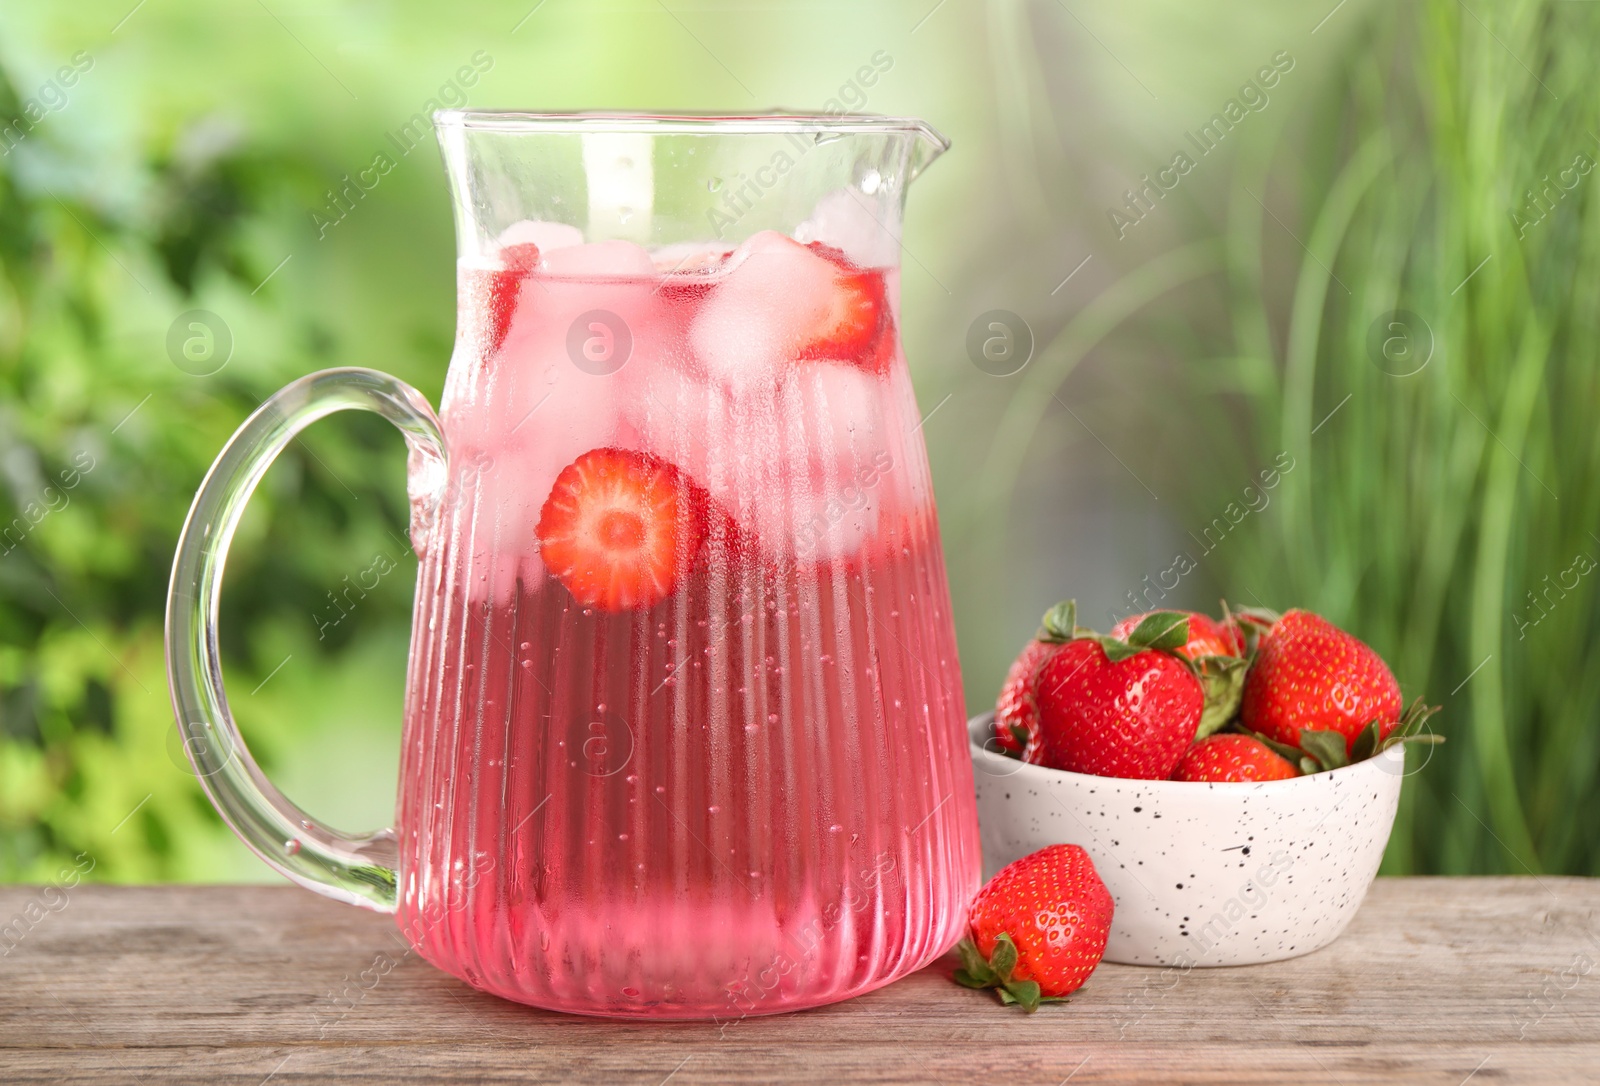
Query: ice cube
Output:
(857,224)
(548,236)
(774,297)
(616,258)
(690,258)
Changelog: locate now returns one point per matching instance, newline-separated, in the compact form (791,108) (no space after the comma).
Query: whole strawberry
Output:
(1207,636)
(1016,713)
(1114,707)
(1216,649)
(1039,928)
(1311,676)
(1219,758)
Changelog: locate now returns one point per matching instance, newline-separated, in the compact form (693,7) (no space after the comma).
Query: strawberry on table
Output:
(1220,758)
(1309,676)
(620,528)
(1038,929)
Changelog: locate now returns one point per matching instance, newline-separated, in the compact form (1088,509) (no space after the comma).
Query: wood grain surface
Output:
(1488,980)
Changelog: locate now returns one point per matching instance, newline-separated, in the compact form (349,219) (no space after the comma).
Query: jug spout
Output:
(928,143)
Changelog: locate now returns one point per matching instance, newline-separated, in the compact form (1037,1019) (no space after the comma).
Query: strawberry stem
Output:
(996,972)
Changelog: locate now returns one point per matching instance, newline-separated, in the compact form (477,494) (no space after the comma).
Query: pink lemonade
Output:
(684,730)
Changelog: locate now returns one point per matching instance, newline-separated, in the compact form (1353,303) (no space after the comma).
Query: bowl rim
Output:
(1044,774)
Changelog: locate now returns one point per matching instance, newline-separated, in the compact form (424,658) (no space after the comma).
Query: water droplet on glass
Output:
(661,789)
(836,828)
(714,184)
(871,181)
(713,809)
(772,718)
(292,845)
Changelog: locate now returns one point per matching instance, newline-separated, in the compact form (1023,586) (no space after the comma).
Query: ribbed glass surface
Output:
(750,796)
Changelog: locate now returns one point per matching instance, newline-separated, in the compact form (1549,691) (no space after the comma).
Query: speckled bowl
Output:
(1202,874)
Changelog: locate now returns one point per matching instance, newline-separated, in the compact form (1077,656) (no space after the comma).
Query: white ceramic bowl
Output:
(1202,874)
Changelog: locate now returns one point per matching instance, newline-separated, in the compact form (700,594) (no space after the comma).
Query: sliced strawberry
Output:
(503,286)
(855,314)
(501,302)
(621,528)
(521,257)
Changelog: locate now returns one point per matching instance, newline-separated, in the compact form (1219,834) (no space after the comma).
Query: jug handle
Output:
(360,869)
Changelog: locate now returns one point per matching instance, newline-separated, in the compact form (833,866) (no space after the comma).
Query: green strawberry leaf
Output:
(1326,747)
(1023,992)
(1414,719)
(1283,750)
(997,972)
(1222,679)
(1427,740)
(1165,630)
(1116,649)
(1004,958)
(1366,744)
(974,967)
(1060,622)
(1309,765)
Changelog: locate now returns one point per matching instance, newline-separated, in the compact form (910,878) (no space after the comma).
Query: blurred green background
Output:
(1385,273)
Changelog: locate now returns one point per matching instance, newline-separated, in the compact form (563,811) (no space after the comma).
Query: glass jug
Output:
(684,731)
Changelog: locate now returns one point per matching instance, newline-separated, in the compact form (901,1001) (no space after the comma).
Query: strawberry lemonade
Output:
(684,724)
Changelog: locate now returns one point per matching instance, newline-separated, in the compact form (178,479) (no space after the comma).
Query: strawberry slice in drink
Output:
(854,316)
(517,262)
(621,528)
(782,302)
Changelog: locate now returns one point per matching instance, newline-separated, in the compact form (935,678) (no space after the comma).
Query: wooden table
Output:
(1438,980)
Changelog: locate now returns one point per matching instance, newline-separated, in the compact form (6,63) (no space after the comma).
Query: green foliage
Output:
(1446,498)
(102,442)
